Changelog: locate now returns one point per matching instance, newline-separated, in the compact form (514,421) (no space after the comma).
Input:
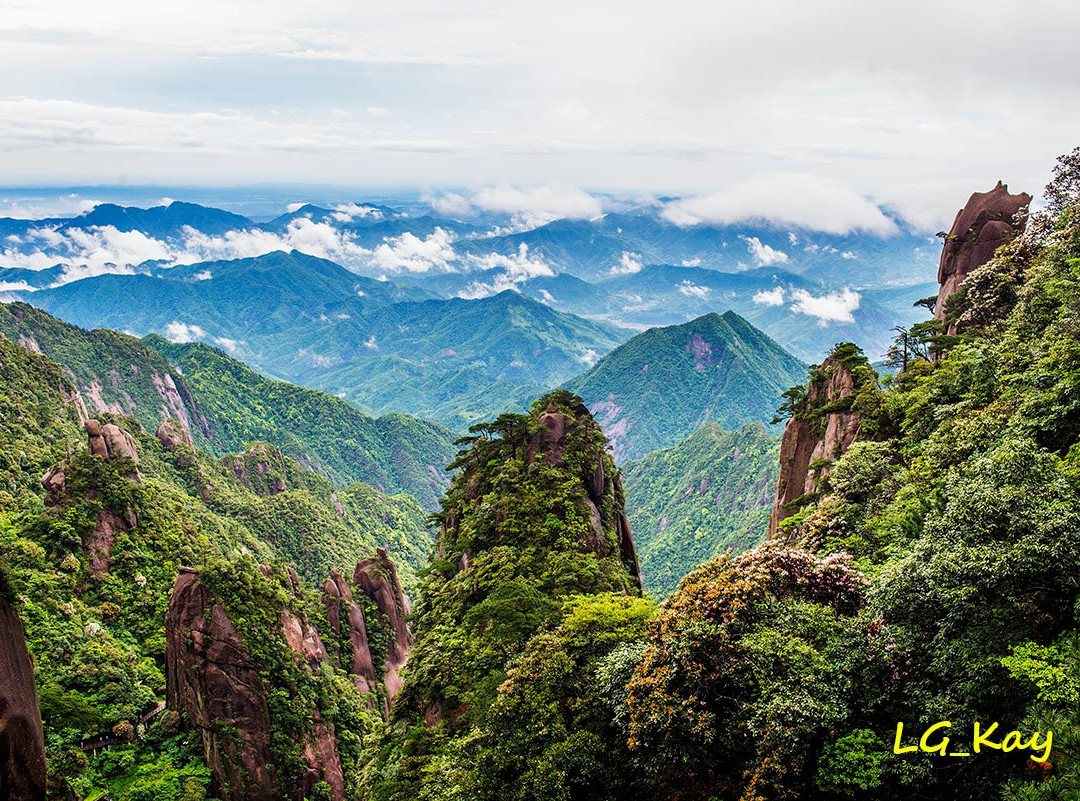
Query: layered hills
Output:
(223,405)
(663,384)
(708,494)
(382,347)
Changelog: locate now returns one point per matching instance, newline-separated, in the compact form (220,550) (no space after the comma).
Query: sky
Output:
(827,109)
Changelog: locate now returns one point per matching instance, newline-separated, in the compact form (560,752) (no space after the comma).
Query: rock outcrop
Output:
(213,679)
(346,617)
(988,221)
(549,443)
(22,744)
(261,468)
(110,442)
(815,437)
(173,435)
(377,578)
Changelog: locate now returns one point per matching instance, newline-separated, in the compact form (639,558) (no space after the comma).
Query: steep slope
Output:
(224,405)
(22,744)
(456,361)
(97,516)
(663,384)
(534,539)
(709,493)
(249,661)
(394,452)
(826,417)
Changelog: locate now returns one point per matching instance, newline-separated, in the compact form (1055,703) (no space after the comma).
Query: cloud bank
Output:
(784,200)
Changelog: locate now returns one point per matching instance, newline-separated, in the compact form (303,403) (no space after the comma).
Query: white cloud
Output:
(628,263)
(538,205)
(347,212)
(692,290)
(450,204)
(850,255)
(84,252)
(784,199)
(834,307)
(293,207)
(15,286)
(763,254)
(377,111)
(230,345)
(520,266)
(177,331)
(589,357)
(410,253)
(204,275)
(695,262)
(69,205)
(513,270)
(770,297)
(370,343)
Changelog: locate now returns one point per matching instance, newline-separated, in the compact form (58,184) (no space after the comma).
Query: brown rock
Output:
(338,599)
(22,743)
(551,439)
(807,448)
(987,221)
(213,679)
(172,435)
(112,442)
(377,578)
(100,542)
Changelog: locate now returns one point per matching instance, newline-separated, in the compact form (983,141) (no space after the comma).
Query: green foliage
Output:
(710,493)
(853,764)
(659,387)
(524,600)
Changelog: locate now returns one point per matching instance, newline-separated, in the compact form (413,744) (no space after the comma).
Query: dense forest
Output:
(923,567)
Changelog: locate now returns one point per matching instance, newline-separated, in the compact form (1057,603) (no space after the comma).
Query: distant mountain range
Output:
(665,383)
(451,320)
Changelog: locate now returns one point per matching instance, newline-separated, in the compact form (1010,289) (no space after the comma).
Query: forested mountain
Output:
(223,405)
(699,498)
(381,346)
(923,569)
(96,518)
(663,384)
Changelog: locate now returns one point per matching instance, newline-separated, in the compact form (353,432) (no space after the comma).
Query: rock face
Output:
(172,435)
(345,616)
(377,578)
(812,442)
(213,680)
(22,744)
(261,468)
(550,444)
(987,221)
(109,442)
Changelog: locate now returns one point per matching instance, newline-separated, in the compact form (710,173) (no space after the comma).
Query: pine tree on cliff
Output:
(535,515)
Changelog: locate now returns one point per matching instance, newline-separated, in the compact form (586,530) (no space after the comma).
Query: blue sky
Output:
(912,106)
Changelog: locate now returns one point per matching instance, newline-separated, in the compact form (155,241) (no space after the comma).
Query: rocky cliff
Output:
(985,223)
(113,444)
(601,490)
(821,429)
(22,746)
(215,680)
(378,579)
